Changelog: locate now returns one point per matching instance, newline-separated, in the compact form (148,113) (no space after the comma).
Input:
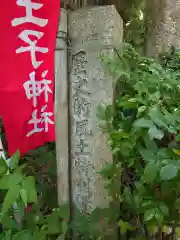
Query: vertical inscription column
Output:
(81,132)
(93,31)
(61,109)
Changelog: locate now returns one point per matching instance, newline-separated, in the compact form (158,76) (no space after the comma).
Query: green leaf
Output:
(2,236)
(8,235)
(107,171)
(150,144)
(141,109)
(164,209)
(81,222)
(147,203)
(150,172)
(143,123)
(10,198)
(163,154)
(10,180)
(9,223)
(127,195)
(159,216)
(53,223)
(178,138)
(170,119)
(39,235)
(168,172)
(157,117)
(122,73)
(4,182)
(23,235)
(155,133)
(15,178)
(20,168)
(14,160)
(149,214)
(64,212)
(137,201)
(177,230)
(64,227)
(148,155)
(133,100)
(152,229)
(29,186)
(3,167)
(125,226)
(24,196)
(177,204)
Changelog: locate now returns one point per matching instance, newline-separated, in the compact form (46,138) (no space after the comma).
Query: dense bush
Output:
(144,134)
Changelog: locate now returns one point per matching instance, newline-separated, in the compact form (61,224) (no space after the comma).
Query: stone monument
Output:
(93,31)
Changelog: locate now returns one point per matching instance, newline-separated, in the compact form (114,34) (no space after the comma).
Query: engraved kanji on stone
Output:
(32,47)
(79,62)
(42,123)
(82,147)
(34,88)
(82,202)
(81,106)
(82,81)
(82,162)
(82,128)
(29,18)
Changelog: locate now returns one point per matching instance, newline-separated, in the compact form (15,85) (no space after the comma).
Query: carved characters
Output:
(81,107)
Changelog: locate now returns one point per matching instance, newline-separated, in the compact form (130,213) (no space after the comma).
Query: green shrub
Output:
(144,135)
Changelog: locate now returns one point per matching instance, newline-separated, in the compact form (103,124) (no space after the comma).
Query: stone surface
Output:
(164,27)
(93,31)
(95,28)
(61,110)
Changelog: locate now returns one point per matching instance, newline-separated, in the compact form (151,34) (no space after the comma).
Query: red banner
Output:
(28,37)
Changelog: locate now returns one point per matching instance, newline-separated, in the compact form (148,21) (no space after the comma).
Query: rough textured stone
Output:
(93,31)
(61,111)
(95,27)
(163,27)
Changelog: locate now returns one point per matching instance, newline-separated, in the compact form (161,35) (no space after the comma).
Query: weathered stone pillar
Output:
(61,110)
(163,29)
(93,31)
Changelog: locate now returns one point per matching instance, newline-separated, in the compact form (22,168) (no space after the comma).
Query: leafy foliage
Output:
(133,13)
(143,130)
(21,215)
